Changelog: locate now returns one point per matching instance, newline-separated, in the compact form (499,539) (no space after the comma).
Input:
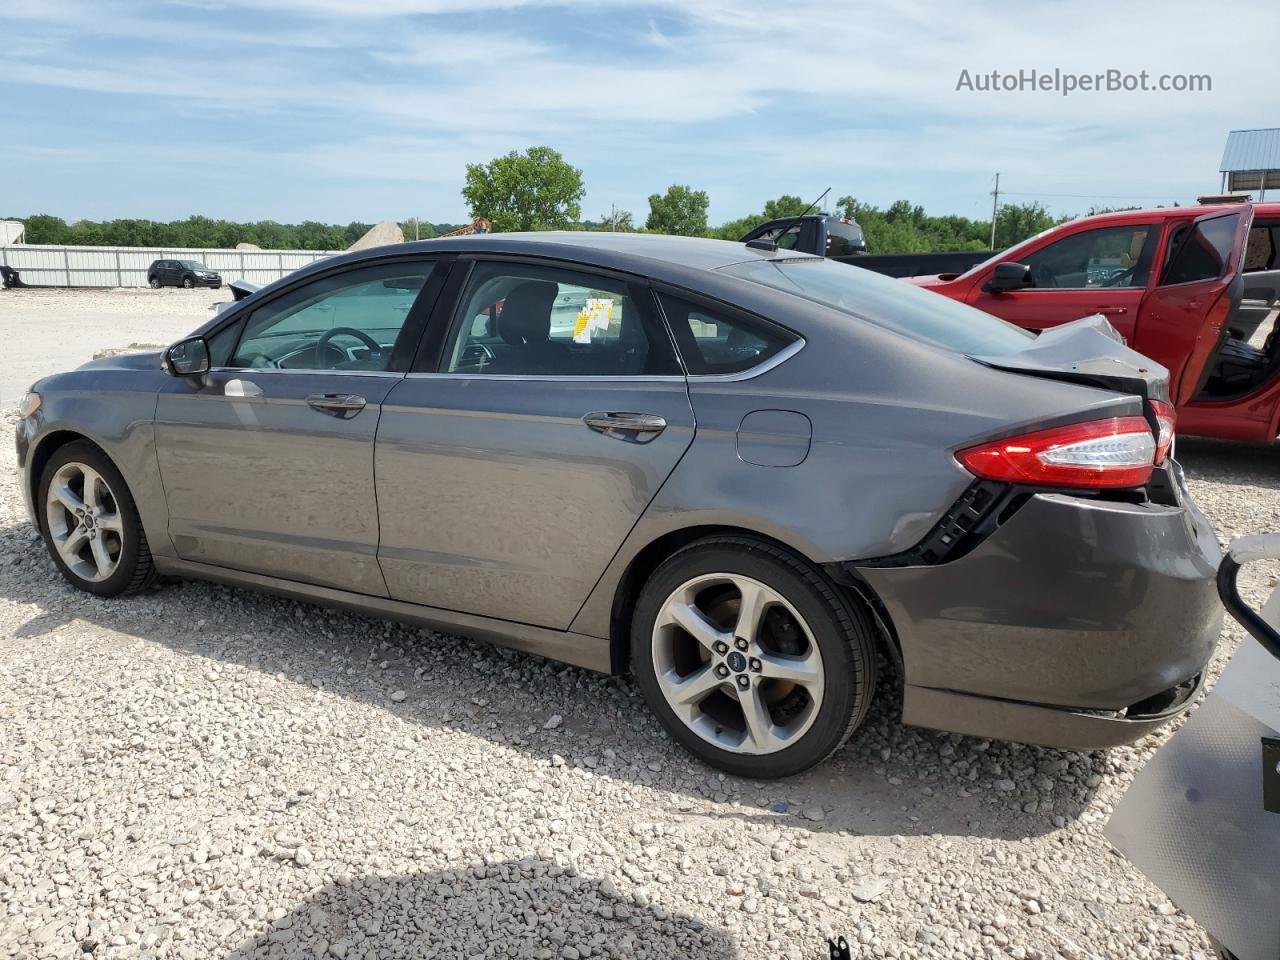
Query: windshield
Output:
(193,264)
(893,304)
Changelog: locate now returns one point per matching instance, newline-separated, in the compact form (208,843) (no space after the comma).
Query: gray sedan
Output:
(751,478)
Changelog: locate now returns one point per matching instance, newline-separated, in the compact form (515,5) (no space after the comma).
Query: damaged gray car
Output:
(751,478)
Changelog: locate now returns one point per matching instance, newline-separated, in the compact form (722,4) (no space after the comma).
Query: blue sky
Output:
(339,110)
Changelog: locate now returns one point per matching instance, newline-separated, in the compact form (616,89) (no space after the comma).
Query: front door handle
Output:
(342,405)
(635,427)
(1113,311)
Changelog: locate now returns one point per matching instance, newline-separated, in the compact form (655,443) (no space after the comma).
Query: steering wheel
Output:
(373,345)
(1122,276)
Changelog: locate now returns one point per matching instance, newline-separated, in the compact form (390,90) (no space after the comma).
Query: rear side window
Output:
(886,302)
(713,342)
(1260,253)
(1203,252)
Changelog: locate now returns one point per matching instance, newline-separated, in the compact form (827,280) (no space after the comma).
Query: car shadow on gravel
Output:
(888,781)
(528,908)
(1224,461)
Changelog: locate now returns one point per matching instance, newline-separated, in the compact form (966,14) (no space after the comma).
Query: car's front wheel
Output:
(90,523)
(750,657)
(188,282)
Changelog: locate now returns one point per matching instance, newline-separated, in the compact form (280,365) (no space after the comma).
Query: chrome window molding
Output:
(243,371)
(782,356)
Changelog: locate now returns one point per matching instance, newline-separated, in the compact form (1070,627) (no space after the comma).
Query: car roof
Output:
(647,254)
(1124,217)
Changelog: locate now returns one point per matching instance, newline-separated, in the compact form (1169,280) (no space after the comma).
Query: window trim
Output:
(445,321)
(407,339)
(1146,257)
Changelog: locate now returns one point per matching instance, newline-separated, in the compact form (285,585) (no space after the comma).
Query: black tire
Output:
(188,283)
(135,569)
(154,283)
(840,630)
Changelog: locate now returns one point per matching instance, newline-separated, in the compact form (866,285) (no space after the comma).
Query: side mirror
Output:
(1008,276)
(187,358)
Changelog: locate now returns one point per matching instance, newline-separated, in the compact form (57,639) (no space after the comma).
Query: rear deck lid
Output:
(1088,351)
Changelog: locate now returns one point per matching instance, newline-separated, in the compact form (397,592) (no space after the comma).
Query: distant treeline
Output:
(899,228)
(206,232)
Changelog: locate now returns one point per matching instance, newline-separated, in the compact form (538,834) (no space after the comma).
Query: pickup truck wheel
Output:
(750,658)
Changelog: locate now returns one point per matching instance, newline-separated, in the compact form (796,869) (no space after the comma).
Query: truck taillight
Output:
(1097,454)
(1166,421)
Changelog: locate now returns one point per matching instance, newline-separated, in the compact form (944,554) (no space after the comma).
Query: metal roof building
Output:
(1251,161)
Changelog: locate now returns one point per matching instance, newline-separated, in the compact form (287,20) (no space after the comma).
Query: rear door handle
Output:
(342,405)
(636,427)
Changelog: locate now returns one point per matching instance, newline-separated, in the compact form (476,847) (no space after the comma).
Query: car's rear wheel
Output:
(751,658)
(188,282)
(154,283)
(90,523)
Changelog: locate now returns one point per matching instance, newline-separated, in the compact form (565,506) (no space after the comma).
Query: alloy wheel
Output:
(84,522)
(737,663)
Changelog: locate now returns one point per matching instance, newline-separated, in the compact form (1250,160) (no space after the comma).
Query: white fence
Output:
(52,266)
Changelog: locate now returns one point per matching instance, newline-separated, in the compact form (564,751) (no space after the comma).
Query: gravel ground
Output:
(202,772)
(47,330)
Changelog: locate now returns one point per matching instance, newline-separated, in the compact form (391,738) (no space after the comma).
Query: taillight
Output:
(1118,452)
(1166,420)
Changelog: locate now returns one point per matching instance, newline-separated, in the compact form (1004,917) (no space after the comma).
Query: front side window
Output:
(1201,251)
(525,320)
(346,321)
(1106,257)
(713,342)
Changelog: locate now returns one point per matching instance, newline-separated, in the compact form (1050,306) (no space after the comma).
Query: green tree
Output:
(681,211)
(1017,221)
(785,206)
(536,190)
(43,228)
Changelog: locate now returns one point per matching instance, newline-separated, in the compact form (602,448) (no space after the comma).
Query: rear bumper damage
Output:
(1076,623)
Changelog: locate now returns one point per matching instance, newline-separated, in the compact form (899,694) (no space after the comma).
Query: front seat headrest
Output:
(526,312)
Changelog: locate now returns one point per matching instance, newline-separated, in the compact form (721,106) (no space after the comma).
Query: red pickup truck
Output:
(1194,288)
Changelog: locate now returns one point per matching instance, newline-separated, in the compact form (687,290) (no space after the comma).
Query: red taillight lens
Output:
(1166,420)
(1119,452)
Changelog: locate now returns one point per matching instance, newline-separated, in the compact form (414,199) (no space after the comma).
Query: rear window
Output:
(894,304)
(844,239)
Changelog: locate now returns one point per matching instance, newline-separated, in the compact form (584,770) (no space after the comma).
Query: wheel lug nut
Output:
(740,643)
(722,671)
(743,682)
(721,647)
(755,665)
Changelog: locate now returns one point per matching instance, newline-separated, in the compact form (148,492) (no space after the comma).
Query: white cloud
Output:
(721,91)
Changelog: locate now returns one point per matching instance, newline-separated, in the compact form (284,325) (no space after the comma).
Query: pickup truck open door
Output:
(1185,316)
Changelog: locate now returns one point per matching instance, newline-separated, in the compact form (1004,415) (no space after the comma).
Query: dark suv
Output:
(182,273)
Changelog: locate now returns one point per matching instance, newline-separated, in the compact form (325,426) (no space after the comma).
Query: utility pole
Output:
(415,228)
(995,207)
